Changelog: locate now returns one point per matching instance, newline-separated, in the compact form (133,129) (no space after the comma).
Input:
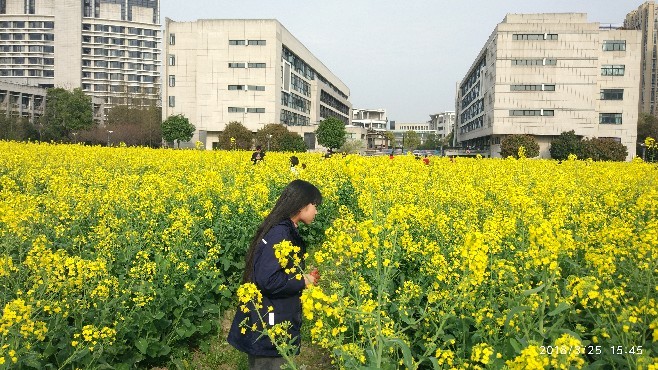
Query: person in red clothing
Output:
(426,160)
(280,290)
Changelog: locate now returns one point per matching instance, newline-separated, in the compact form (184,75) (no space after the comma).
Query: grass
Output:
(222,356)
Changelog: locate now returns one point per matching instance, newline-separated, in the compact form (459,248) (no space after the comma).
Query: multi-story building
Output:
(370,119)
(544,74)
(250,71)
(109,48)
(442,123)
(645,19)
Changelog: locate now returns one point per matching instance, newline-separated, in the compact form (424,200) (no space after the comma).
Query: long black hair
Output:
(294,197)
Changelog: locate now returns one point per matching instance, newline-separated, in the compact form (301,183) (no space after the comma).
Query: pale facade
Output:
(250,71)
(371,119)
(544,74)
(108,48)
(442,123)
(644,19)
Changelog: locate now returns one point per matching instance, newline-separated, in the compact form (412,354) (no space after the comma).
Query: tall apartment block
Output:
(645,19)
(109,48)
(250,71)
(544,74)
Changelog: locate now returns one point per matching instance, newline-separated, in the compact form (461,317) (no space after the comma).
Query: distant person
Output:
(294,161)
(303,166)
(258,155)
(329,153)
(426,160)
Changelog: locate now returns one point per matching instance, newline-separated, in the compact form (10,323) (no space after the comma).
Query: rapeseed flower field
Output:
(122,257)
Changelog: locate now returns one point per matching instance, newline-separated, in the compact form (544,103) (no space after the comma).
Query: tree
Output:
(242,136)
(132,125)
(567,143)
(16,128)
(431,142)
(177,128)
(292,142)
(600,149)
(269,137)
(647,126)
(66,112)
(351,147)
(411,140)
(331,133)
(511,144)
(390,138)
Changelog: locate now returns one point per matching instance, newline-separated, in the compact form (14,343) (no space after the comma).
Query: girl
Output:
(280,290)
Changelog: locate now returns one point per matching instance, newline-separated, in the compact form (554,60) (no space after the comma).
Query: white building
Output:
(370,119)
(442,123)
(108,48)
(544,74)
(250,71)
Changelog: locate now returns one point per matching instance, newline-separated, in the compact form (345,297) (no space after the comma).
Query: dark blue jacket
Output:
(280,290)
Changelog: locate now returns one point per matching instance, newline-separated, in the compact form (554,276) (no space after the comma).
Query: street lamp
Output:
(269,136)
(108,136)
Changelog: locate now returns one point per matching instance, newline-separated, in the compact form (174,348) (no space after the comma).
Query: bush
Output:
(565,144)
(292,142)
(511,144)
(600,149)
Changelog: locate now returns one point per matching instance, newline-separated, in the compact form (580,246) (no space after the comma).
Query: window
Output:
(236,87)
(5,36)
(48,73)
(116,76)
(100,63)
(49,25)
(172,39)
(236,42)
(48,49)
(612,94)
(235,110)
(542,87)
(172,101)
(34,24)
(49,61)
(172,60)
(19,36)
(35,36)
(613,70)
(256,65)
(257,42)
(534,36)
(116,65)
(532,112)
(255,88)
(614,45)
(255,110)
(49,37)
(610,118)
(534,62)
(100,75)
(172,80)
(236,65)
(29,6)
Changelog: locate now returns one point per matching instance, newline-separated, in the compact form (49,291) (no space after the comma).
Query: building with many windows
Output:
(109,48)
(442,123)
(370,119)
(250,71)
(645,19)
(544,74)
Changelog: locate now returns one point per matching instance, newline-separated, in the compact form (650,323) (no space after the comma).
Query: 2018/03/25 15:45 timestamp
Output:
(590,350)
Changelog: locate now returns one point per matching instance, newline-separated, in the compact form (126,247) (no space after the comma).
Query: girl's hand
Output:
(309,279)
(316,274)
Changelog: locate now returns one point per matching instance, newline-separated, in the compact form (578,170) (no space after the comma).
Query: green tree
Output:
(243,137)
(511,144)
(16,128)
(177,128)
(431,142)
(292,142)
(567,143)
(66,112)
(390,138)
(600,149)
(331,133)
(270,136)
(647,126)
(411,140)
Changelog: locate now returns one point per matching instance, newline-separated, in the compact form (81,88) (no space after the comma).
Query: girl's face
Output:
(307,214)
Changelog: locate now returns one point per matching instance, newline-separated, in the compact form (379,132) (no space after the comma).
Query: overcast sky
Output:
(403,56)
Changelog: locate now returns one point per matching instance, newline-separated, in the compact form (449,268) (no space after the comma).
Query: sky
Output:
(402,56)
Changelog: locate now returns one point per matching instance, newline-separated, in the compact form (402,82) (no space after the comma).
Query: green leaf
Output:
(515,345)
(513,312)
(560,307)
(526,293)
(142,345)
(406,352)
